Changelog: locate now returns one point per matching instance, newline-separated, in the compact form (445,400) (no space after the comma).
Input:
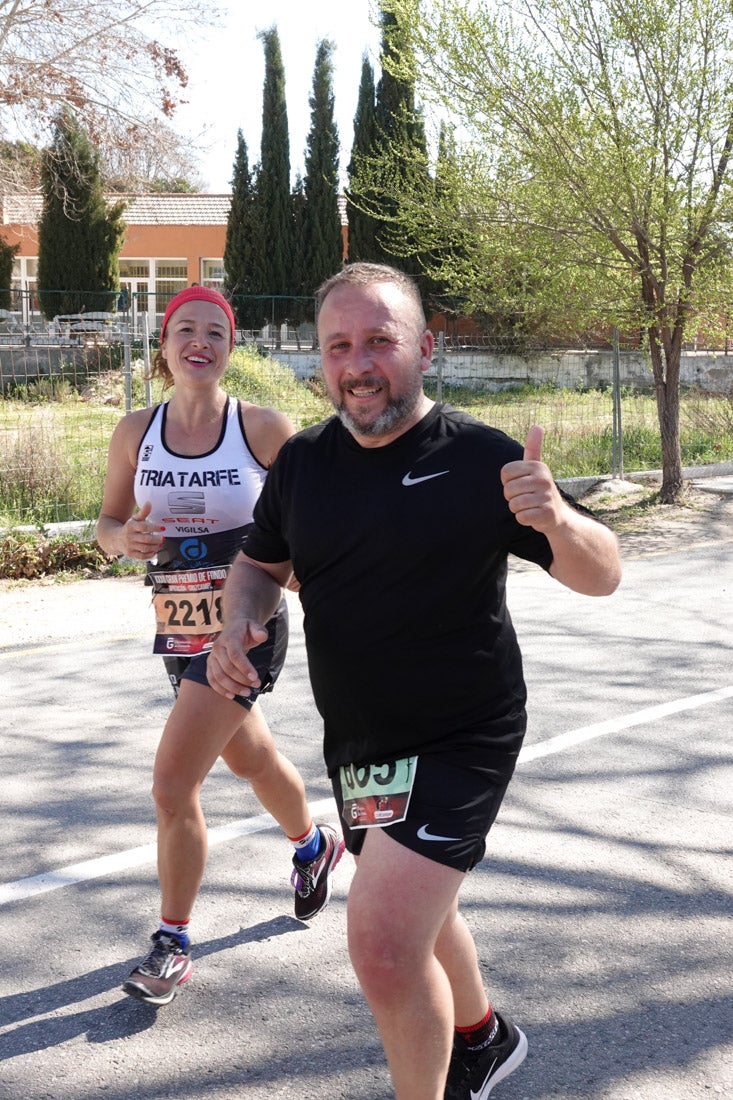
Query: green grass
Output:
(579,425)
(54,437)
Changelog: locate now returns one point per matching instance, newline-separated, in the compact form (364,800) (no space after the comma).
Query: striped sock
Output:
(177,928)
(308,845)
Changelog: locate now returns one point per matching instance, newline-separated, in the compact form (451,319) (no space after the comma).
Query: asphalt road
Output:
(602,912)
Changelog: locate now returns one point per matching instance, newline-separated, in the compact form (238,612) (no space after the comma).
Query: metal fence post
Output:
(146,356)
(127,344)
(618,439)
(439,365)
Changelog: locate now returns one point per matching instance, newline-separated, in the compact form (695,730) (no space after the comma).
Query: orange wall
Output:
(172,242)
(24,235)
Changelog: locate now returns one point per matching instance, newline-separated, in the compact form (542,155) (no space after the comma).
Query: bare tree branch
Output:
(111,62)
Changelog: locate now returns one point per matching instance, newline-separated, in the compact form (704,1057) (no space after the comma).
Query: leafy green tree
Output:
(274,206)
(321,230)
(243,249)
(172,185)
(79,238)
(595,164)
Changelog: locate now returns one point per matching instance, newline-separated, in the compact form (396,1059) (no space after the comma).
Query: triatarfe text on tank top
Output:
(188,479)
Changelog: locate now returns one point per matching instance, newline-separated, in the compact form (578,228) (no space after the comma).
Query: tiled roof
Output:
(177,209)
(198,209)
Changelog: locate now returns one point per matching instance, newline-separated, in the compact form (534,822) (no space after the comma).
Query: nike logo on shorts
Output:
(408,479)
(423,834)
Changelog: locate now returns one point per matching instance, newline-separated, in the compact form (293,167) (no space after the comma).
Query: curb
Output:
(578,486)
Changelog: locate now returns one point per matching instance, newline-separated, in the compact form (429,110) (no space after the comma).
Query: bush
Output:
(268,382)
(28,557)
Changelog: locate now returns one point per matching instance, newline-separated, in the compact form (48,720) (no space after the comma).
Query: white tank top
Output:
(204,502)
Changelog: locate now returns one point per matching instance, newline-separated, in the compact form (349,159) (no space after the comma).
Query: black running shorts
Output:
(267,658)
(450,813)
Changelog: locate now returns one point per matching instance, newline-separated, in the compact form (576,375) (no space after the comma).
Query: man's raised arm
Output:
(585,554)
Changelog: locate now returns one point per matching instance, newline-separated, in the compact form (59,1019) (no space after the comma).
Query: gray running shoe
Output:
(312,880)
(156,979)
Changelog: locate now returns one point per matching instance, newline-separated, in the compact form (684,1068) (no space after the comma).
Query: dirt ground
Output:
(647,527)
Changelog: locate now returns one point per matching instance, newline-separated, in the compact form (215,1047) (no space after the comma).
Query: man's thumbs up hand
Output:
(529,487)
(533,444)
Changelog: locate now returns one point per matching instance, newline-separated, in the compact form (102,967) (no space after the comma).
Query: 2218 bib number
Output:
(188,610)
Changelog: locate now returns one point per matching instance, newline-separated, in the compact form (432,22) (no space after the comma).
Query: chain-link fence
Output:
(63,393)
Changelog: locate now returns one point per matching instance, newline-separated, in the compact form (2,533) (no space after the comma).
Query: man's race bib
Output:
(187,606)
(376,794)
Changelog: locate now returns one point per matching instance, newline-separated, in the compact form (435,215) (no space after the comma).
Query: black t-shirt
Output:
(401,553)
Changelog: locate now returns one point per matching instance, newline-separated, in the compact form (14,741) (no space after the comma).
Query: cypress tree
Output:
(243,245)
(302,307)
(79,238)
(273,184)
(7,258)
(389,166)
(322,239)
(444,249)
(399,144)
(362,225)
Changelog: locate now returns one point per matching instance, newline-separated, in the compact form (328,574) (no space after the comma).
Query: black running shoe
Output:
(158,976)
(312,879)
(473,1073)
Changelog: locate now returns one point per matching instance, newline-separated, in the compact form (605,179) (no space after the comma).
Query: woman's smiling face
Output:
(197,341)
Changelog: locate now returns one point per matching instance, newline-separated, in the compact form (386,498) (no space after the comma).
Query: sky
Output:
(226,74)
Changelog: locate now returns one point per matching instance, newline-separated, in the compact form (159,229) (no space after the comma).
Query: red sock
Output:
(481,1034)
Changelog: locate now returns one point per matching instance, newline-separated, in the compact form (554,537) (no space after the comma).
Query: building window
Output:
(135,289)
(24,284)
(212,273)
(134,269)
(170,277)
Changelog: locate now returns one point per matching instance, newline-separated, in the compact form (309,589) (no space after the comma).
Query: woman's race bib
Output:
(187,605)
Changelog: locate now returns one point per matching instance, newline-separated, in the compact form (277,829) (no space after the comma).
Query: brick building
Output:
(171,241)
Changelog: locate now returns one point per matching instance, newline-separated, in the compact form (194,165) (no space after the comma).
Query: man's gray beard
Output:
(398,411)
(392,416)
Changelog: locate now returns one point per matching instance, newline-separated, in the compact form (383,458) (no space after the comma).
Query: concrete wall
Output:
(566,369)
(28,364)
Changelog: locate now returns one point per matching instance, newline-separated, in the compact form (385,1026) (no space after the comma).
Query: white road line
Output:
(135,857)
(649,714)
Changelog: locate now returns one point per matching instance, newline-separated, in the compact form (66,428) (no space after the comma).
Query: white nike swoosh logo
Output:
(481,1094)
(423,834)
(408,479)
